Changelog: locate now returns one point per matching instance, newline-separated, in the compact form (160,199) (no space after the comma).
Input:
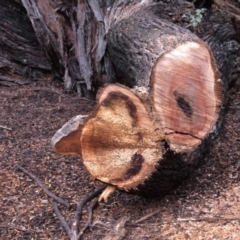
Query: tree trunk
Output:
(21,57)
(149,138)
(143,139)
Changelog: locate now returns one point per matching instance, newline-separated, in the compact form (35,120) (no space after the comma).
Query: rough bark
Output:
(21,57)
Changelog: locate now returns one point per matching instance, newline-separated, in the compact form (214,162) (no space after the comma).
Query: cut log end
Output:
(187,95)
(118,147)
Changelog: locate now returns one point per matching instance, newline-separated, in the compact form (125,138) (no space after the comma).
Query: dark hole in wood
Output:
(136,165)
(185,106)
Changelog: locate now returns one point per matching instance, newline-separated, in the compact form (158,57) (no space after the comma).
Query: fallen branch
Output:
(37,180)
(62,220)
(4,127)
(73,232)
(147,216)
(208,219)
(101,224)
(88,223)
(78,213)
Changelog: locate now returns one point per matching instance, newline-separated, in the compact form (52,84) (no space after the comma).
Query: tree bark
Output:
(73,37)
(147,139)
(21,58)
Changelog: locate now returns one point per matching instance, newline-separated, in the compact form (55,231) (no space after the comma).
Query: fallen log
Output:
(148,138)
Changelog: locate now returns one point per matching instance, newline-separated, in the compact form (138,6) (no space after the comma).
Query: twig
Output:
(79,211)
(118,232)
(147,216)
(208,219)
(4,127)
(101,224)
(235,107)
(50,194)
(88,223)
(62,220)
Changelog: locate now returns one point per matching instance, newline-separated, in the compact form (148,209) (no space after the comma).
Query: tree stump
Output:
(148,138)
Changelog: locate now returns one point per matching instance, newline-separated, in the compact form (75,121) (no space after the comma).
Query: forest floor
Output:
(205,206)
